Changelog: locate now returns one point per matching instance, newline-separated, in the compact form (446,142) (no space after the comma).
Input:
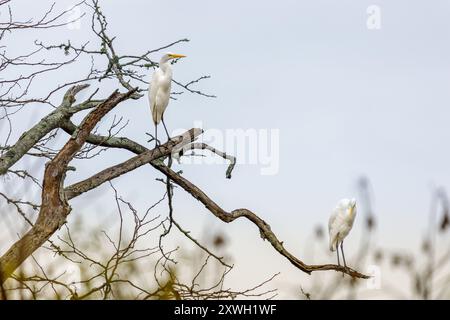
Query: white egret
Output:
(159,90)
(340,224)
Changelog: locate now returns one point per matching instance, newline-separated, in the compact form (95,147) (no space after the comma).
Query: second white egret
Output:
(340,224)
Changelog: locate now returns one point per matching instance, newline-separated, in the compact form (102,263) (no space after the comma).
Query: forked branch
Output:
(197,193)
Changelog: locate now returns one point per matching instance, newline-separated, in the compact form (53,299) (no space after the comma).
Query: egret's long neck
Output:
(164,66)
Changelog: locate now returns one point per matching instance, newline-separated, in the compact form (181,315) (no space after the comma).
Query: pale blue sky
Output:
(348,101)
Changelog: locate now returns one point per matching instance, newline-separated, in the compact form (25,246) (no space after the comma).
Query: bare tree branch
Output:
(54,207)
(42,128)
(143,158)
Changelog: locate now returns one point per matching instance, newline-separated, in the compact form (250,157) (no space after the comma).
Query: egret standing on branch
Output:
(340,224)
(159,91)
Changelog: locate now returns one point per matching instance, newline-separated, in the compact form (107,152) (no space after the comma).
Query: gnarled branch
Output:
(264,227)
(54,206)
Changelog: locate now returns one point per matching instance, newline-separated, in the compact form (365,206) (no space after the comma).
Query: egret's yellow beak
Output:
(176,56)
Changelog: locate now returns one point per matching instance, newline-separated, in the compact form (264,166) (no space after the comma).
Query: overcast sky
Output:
(348,102)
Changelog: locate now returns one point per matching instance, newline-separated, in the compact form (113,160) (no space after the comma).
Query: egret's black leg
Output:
(168,137)
(156,136)
(337,251)
(343,256)
(165,128)
(337,248)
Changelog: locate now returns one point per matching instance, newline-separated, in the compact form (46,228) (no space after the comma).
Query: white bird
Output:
(340,224)
(159,90)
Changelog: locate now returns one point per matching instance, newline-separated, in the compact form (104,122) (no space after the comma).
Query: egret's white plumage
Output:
(340,224)
(159,90)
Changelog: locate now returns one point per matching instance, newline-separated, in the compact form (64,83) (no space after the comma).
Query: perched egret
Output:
(159,90)
(340,224)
